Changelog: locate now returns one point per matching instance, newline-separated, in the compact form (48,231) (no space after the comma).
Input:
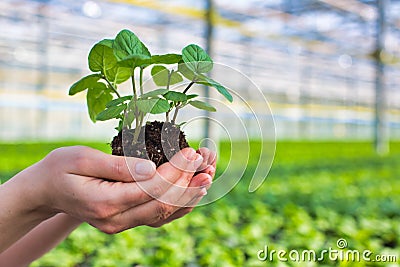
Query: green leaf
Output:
(134,61)
(166,59)
(160,76)
(84,83)
(186,72)
(97,97)
(127,44)
(154,93)
(153,106)
(202,105)
(117,101)
(101,58)
(221,89)
(111,113)
(175,96)
(118,74)
(191,96)
(196,59)
(107,42)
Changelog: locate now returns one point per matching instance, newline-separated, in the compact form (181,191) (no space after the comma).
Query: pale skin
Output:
(43,204)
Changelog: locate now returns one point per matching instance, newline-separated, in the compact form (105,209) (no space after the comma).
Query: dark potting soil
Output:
(158,141)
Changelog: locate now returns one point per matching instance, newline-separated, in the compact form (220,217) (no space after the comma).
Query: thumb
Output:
(94,163)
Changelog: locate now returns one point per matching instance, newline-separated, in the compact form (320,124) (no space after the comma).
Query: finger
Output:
(160,209)
(201,180)
(117,197)
(209,157)
(169,173)
(94,163)
(173,196)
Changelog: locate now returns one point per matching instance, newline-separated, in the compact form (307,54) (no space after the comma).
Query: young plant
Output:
(123,59)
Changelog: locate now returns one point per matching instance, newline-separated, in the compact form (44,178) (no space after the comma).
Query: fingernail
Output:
(190,153)
(144,167)
(207,182)
(211,170)
(198,160)
(203,192)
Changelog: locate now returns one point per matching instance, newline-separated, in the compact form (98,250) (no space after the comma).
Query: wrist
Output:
(32,193)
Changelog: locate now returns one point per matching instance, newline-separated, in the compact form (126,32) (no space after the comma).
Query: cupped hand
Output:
(116,193)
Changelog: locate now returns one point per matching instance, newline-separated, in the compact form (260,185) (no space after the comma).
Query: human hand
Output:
(98,188)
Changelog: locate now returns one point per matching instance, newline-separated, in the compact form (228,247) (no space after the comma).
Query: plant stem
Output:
(169,78)
(175,114)
(141,81)
(167,116)
(112,87)
(136,112)
(188,87)
(138,129)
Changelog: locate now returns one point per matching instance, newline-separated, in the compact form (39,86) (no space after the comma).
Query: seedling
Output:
(123,59)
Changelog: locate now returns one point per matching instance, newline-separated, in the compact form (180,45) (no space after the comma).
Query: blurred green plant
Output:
(315,194)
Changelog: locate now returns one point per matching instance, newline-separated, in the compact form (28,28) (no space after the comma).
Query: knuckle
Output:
(157,191)
(118,166)
(102,212)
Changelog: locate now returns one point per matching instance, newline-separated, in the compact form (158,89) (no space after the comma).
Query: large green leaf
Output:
(118,74)
(154,93)
(127,44)
(186,72)
(175,96)
(202,105)
(160,76)
(153,105)
(196,59)
(97,97)
(220,88)
(134,61)
(117,101)
(107,42)
(101,58)
(166,59)
(111,113)
(84,83)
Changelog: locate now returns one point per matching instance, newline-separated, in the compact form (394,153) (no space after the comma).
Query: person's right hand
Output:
(115,193)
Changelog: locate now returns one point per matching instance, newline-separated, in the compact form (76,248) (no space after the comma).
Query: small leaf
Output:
(202,105)
(117,101)
(134,61)
(101,58)
(154,93)
(161,106)
(127,44)
(186,72)
(97,97)
(166,59)
(84,83)
(160,76)
(107,42)
(191,96)
(221,89)
(153,106)
(110,113)
(129,117)
(175,96)
(118,74)
(196,59)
